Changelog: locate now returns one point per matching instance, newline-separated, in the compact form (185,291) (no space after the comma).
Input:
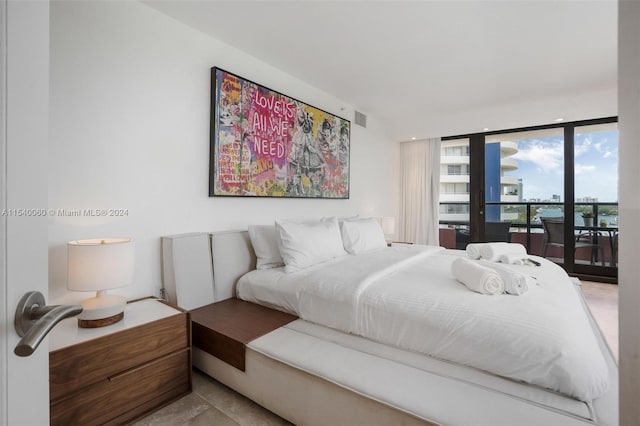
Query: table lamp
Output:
(388,225)
(100,265)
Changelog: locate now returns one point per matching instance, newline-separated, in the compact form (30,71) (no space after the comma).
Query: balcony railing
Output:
(526,226)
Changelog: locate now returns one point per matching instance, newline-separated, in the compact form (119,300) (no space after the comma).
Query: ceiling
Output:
(432,68)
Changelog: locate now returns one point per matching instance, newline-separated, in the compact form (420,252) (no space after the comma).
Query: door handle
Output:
(34,320)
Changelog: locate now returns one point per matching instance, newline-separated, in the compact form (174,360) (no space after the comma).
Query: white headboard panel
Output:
(202,268)
(187,273)
(233,256)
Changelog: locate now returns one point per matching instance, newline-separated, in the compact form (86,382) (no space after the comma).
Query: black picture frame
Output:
(267,144)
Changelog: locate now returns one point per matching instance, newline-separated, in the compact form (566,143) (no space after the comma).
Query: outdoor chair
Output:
(554,236)
(493,231)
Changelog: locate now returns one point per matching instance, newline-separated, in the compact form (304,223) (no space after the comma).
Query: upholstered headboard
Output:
(201,268)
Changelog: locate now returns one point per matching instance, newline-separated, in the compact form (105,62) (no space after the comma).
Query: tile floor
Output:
(212,403)
(603,302)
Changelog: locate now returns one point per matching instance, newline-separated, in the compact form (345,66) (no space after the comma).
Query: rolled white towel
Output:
(513,258)
(493,251)
(474,250)
(477,277)
(515,282)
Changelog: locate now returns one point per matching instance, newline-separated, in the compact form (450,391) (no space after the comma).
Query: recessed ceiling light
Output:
(485,129)
(413,138)
(559,119)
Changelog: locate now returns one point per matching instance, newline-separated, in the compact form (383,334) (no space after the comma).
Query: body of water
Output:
(578,220)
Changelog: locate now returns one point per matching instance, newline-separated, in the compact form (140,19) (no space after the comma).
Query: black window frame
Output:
(477,185)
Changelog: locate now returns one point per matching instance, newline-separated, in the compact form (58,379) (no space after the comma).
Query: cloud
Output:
(540,163)
(546,156)
(584,146)
(583,168)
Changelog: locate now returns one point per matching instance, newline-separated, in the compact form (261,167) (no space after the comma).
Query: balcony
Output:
(456,198)
(454,159)
(454,178)
(509,198)
(526,228)
(508,148)
(508,164)
(509,180)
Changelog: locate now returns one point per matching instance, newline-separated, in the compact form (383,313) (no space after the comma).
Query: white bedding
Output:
(406,296)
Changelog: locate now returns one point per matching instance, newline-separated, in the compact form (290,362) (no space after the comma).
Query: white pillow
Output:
(265,244)
(343,218)
(362,235)
(305,244)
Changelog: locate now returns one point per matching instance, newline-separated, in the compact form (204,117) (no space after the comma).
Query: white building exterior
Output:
(455,179)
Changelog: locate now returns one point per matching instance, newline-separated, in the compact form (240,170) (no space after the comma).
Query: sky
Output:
(541,163)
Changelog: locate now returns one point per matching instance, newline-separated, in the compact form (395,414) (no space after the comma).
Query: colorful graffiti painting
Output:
(266,144)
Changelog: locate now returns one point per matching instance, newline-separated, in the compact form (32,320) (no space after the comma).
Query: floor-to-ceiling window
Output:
(595,177)
(508,185)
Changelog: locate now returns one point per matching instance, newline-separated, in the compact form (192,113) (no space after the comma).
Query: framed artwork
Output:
(266,144)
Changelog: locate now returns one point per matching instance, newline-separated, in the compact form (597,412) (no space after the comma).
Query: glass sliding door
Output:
(522,168)
(552,188)
(596,197)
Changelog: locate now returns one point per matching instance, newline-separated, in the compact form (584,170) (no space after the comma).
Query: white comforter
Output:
(406,296)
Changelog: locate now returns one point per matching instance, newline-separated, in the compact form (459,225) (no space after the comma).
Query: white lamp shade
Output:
(388,225)
(101,264)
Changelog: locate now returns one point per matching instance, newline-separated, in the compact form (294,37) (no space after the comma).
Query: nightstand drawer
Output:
(126,395)
(77,366)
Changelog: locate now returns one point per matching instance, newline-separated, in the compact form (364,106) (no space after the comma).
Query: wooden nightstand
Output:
(224,328)
(120,372)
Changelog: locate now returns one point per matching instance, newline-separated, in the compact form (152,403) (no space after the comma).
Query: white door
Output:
(24,94)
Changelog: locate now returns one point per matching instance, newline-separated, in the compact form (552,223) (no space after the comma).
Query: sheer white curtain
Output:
(420,191)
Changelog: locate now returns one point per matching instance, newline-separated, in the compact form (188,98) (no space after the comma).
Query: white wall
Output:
(130,102)
(629,271)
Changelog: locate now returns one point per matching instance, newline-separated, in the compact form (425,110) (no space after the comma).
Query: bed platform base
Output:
(299,381)
(300,397)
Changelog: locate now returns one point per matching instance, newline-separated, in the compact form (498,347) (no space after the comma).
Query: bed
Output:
(321,369)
